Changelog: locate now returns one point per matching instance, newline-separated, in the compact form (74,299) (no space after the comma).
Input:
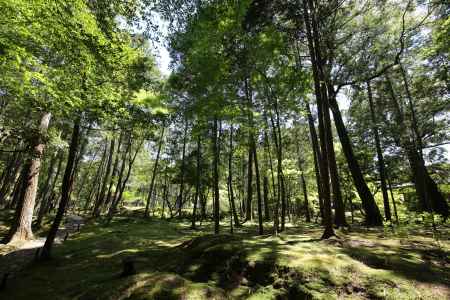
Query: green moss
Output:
(174,262)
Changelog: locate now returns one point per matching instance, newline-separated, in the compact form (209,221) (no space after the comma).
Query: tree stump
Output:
(3,283)
(128,267)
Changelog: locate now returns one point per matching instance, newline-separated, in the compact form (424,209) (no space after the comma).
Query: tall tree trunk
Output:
(373,216)
(316,157)
(380,159)
(216,178)
(46,197)
(266,198)
(248,204)
(101,199)
(339,216)
(305,194)
(114,172)
(96,180)
(21,227)
(155,168)
(322,107)
(430,198)
(180,200)
(65,192)
(393,199)
(258,187)
(9,176)
(197,181)
(230,181)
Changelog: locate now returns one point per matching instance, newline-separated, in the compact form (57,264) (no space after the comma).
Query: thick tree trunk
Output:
(322,107)
(155,168)
(21,227)
(380,159)
(65,192)
(372,213)
(430,198)
(339,216)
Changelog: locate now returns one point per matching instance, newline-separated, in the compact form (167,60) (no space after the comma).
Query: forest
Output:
(224,149)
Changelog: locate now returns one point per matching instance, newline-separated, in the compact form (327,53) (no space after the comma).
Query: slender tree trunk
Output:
(46,197)
(248,204)
(10,174)
(216,178)
(155,168)
(316,156)
(197,181)
(258,187)
(230,181)
(96,179)
(21,227)
(305,194)
(393,199)
(101,199)
(266,198)
(183,163)
(380,159)
(65,192)
(114,172)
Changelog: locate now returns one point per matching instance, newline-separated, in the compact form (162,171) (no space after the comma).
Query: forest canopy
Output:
(273,116)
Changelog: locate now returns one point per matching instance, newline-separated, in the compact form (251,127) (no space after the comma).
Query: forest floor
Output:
(173,261)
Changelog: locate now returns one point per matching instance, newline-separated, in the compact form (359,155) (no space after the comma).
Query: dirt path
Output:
(14,258)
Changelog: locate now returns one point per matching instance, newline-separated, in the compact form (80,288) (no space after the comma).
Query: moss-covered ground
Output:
(173,261)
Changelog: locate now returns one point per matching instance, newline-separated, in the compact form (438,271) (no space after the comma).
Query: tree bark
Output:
(65,192)
(258,187)
(230,181)
(380,159)
(316,157)
(155,168)
(21,227)
(101,198)
(216,178)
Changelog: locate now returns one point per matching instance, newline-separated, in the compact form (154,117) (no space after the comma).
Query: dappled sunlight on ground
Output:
(175,262)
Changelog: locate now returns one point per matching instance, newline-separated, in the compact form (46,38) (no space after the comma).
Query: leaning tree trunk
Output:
(65,192)
(21,227)
(373,216)
(430,198)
